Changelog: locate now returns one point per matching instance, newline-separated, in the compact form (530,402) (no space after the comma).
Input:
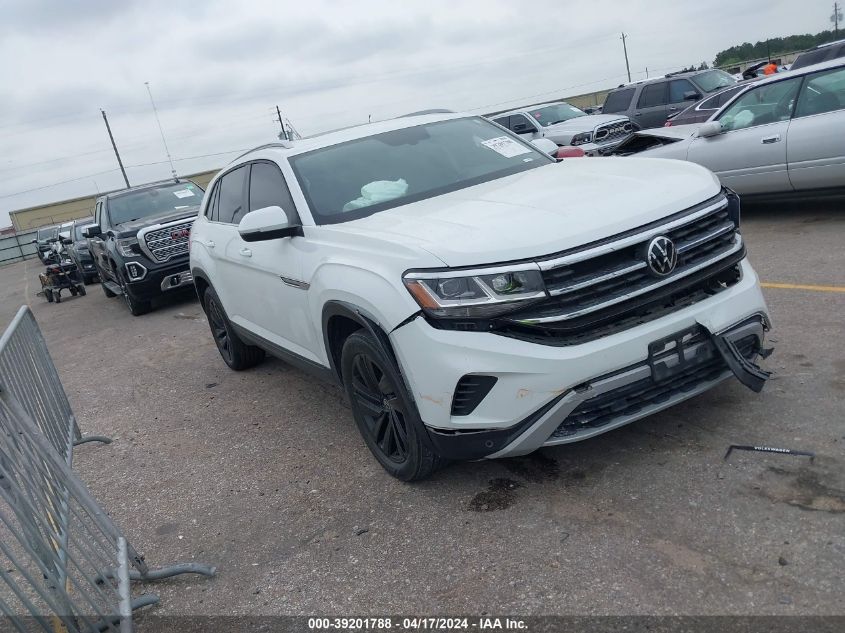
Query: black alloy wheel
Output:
(219,331)
(382,410)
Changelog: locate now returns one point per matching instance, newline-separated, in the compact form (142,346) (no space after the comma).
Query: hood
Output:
(544,210)
(127,229)
(675,131)
(584,123)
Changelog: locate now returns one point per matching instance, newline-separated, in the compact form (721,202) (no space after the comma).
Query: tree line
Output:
(774,47)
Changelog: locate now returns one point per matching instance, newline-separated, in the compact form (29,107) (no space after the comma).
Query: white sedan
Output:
(784,134)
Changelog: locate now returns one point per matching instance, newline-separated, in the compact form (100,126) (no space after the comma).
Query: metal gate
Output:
(65,565)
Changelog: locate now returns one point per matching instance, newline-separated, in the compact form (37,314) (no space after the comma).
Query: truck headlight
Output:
(580,139)
(129,247)
(482,293)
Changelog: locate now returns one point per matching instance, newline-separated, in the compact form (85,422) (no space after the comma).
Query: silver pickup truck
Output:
(563,123)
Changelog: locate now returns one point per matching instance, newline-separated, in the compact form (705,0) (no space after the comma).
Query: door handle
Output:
(775,138)
(246,252)
(637,113)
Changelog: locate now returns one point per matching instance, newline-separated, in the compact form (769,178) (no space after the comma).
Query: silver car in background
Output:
(781,135)
(563,123)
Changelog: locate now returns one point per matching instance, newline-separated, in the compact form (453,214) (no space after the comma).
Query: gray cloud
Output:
(219,67)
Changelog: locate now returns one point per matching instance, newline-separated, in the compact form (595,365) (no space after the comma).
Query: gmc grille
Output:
(169,241)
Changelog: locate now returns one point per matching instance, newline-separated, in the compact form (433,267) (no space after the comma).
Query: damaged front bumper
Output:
(678,367)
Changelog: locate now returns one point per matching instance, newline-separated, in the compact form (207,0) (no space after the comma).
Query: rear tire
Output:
(57,296)
(234,352)
(82,291)
(49,295)
(386,416)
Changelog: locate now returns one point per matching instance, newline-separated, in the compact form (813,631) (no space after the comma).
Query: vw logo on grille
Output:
(661,256)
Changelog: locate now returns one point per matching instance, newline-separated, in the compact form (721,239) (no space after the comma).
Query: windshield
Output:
(153,201)
(49,233)
(557,113)
(358,178)
(714,80)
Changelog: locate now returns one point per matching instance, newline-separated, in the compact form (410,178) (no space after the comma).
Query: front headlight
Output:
(129,247)
(482,293)
(580,139)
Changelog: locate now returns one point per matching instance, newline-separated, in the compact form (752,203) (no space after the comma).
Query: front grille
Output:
(162,244)
(612,131)
(634,397)
(587,291)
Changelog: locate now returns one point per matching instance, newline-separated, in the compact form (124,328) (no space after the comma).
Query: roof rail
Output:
(431,111)
(281,144)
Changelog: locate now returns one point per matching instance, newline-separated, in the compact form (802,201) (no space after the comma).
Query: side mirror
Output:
(523,128)
(545,145)
(269,223)
(711,128)
(92,230)
(692,95)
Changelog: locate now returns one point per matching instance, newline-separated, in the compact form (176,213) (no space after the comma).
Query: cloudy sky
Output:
(217,69)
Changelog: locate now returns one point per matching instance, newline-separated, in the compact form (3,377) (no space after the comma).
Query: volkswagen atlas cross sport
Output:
(474,297)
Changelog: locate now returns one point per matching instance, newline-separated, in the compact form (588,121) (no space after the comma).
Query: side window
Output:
(618,101)
(267,188)
(230,200)
(822,92)
(678,88)
(521,124)
(97,214)
(211,209)
(653,95)
(767,104)
(504,121)
(710,104)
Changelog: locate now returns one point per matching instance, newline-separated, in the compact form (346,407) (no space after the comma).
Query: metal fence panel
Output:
(64,564)
(17,247)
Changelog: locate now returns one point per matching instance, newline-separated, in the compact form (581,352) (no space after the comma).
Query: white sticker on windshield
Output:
(506,146)
(183,193)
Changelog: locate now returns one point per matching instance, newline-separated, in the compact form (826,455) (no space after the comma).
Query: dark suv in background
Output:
(78,250)
(650,102)
(139,240)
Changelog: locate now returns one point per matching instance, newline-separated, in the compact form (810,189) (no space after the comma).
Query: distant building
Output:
(66,210)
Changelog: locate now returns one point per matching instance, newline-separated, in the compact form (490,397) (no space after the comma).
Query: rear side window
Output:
(231,196)
(822,92)
(211,209)
(504,121)
(618,101)
(678,88)
(267,188)
(653,95)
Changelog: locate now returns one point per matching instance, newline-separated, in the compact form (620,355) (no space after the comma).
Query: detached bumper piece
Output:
(679,366)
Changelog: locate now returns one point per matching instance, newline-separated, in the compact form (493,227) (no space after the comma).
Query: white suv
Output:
(475,297)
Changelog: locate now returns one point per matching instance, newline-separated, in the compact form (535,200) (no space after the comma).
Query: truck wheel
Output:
(49,295)
(136,307)
(236,354)
(383,410)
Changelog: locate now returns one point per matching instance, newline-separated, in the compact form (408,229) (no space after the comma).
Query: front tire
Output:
(386,416)
(235,353)
(136,307)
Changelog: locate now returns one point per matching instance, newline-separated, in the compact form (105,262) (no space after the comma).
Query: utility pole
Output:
(119,162)
(282,123)
(625,48)
(837,15)
(161,130)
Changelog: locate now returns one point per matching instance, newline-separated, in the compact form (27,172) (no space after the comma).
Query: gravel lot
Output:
(263,473)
